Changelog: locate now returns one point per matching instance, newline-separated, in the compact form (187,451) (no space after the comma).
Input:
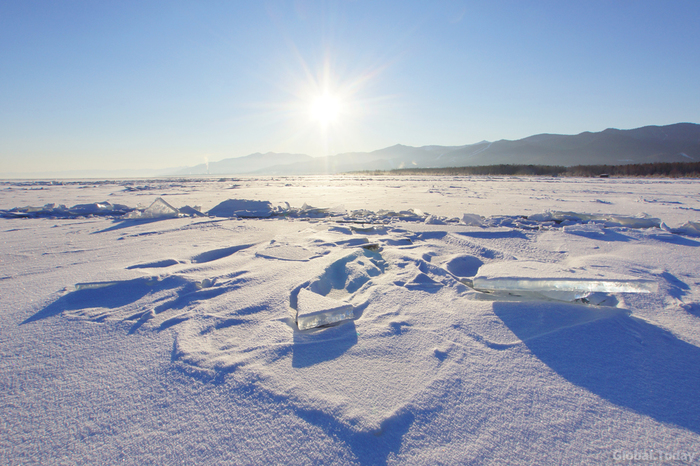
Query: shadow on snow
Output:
(622,359)
(369,447)
(323,344)
(171,294)
(110,297)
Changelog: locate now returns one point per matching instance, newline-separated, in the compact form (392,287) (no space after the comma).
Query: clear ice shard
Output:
(473,220)
(315,310)
(608,220)
(160,209)
(322,212)
(564,284)
(93,285)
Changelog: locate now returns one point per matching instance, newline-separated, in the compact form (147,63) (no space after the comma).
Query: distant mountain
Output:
(241,165)
(673,143)
(397,156)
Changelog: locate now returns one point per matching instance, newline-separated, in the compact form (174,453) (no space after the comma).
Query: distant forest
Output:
(664,170)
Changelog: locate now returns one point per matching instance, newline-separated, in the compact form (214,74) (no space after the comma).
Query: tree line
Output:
(659,169)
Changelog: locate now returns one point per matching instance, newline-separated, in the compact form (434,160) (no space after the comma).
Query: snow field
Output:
(191,353)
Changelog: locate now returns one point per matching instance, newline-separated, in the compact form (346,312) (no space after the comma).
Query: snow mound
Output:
(242,208)
(99,209)
(688,229)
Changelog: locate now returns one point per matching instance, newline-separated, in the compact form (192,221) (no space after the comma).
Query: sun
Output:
(325,109)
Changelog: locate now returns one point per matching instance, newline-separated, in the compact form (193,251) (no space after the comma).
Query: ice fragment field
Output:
(349,320)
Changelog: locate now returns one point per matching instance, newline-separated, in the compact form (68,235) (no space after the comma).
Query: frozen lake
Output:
(180,342)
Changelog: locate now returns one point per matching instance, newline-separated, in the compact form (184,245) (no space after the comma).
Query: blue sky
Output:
(143,84)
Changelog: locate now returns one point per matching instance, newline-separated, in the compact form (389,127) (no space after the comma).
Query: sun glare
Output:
(325,109)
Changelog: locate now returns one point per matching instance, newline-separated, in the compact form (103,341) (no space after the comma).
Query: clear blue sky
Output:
(145,84)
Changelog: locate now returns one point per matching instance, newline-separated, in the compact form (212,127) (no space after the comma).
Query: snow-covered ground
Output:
(138,337)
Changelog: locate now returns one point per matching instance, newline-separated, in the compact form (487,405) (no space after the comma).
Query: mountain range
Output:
(672,143)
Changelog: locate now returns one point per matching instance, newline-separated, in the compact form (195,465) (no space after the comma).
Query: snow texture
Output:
(543,327)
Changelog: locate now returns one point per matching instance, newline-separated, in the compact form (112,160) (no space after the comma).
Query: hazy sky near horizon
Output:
(151,84)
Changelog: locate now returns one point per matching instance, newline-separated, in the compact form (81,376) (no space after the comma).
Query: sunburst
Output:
(325,109)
